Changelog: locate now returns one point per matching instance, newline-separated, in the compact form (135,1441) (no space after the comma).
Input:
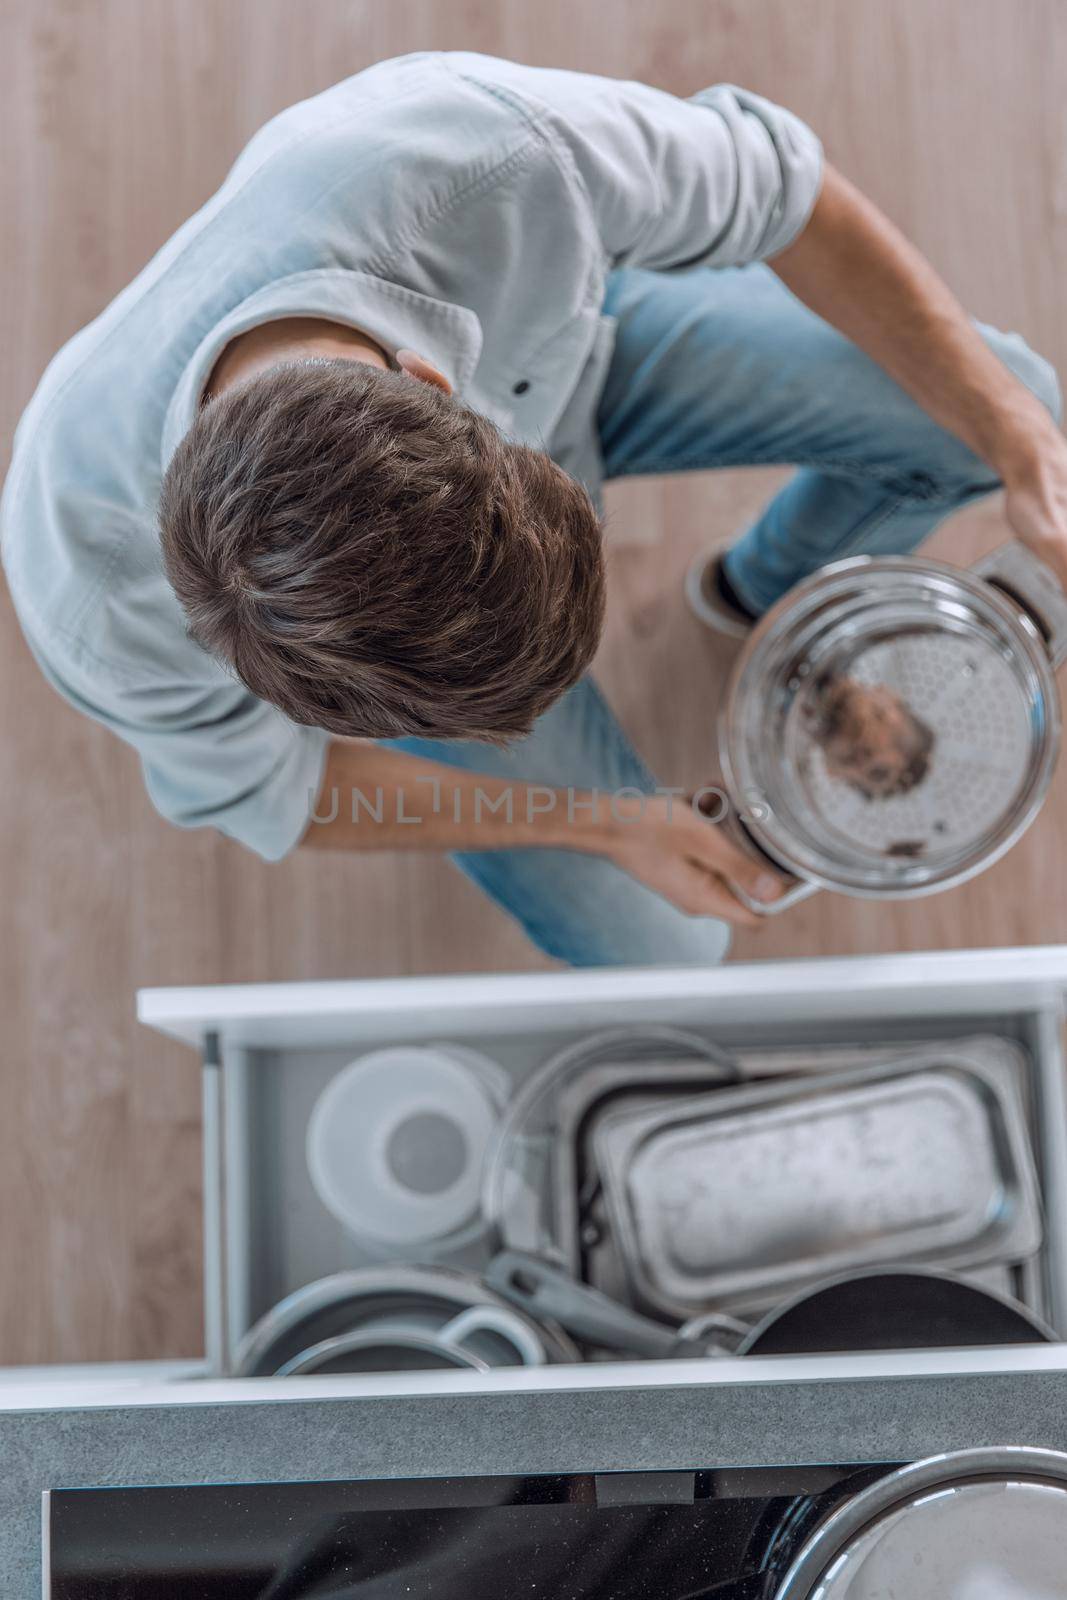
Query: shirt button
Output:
(521,387)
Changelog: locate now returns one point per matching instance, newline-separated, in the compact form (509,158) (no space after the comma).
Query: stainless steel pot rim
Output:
(867,583)
(382,1337)
(452,1289)
(855,1516)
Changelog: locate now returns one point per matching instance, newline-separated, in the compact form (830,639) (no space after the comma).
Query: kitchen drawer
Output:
(270,1049)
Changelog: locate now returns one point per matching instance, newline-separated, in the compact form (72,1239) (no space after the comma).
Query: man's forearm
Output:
(373,798)
(859,273)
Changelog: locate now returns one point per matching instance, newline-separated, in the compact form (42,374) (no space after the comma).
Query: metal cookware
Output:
(520,1190)
(987,1524)
(969,658)
(544,1291)
(891,1309)
(389,1348)
(582,1102)
(543,1189)
(723,1199)
(584,1241)
(441,1310)
(396,1346)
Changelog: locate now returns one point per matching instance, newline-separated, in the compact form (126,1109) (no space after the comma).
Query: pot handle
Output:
(543,1291)
(498,1320)
(802,888)
(401,1337)
(1034,588)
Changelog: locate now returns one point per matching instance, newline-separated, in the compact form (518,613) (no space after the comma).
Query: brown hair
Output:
(376,560)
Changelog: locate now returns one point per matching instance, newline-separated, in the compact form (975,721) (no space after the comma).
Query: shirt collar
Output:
(449,336)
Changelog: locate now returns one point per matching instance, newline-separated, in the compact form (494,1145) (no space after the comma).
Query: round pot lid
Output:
(891,727)
(977,1525)
(396,1145)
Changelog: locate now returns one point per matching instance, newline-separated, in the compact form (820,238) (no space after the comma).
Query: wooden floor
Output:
(118,118)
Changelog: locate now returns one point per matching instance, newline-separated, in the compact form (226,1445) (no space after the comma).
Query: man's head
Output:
(375,560)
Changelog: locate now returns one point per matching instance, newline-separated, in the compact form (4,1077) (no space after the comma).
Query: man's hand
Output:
(1036,503)
(689,860)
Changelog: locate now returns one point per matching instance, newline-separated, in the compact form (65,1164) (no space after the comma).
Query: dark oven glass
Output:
(615,1536)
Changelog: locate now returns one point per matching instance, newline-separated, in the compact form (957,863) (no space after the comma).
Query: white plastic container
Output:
(396,1146)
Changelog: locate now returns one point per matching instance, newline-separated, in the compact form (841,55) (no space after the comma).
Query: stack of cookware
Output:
(640,1195)
(877,1204)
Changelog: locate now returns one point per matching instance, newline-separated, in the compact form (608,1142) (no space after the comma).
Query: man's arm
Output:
(379,799)
(856,270)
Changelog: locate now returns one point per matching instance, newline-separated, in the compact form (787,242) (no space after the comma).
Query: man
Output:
(303,515)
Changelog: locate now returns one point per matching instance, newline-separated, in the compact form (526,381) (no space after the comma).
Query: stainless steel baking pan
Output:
(590,1094)
(652,1083)
(583,1237)
(724,1197)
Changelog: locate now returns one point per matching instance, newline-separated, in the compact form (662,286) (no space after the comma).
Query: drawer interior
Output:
(269,1234)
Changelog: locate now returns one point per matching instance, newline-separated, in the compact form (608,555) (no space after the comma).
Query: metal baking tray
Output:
(582,1234)
(655,1081)
(737,1193)
(651,1082)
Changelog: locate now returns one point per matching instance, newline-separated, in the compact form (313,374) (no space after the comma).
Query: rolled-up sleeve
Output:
(722,179)
(253,775)
(212,755)
(777,171)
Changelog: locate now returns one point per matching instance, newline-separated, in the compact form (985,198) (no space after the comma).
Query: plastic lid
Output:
(396,1144)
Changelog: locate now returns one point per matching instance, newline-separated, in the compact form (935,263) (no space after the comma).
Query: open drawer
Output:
(269,1050)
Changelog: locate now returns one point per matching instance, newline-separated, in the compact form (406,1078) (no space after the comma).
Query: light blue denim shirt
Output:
(468,208)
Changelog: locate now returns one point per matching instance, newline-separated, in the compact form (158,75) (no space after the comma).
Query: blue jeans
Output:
(723,369)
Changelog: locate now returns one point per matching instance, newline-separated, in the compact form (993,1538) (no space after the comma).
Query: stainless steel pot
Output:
(346,1322)
(391,1347)
(972,655)
(988,1523)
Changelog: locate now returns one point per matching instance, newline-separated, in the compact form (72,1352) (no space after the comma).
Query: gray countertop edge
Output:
(663,1427)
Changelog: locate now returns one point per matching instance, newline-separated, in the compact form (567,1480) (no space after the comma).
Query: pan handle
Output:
(1034,588)
(543,1291)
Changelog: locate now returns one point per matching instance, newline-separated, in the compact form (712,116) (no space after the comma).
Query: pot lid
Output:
(978,1525)
(891,726)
